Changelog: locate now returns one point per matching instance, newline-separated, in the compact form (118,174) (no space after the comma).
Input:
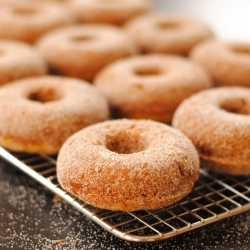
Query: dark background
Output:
(31,217)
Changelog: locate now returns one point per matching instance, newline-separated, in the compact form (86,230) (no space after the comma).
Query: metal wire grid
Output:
(214,197)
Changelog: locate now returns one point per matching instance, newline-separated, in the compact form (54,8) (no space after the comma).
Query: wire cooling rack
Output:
(214,197)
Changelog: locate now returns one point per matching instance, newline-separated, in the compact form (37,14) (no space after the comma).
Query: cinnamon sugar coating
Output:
(39,113)
(150,86)
(115,12)
(228,63)
(28,20)
(83,50)
(128,165)
(159,32)
(19,60)
(218,123)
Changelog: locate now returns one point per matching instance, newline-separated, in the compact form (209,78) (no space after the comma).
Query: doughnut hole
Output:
(44,95)
(125,142)
(236,106)
(82,38)
(147,71)
(167,25)
(109,2)
(25,11)
(241,49)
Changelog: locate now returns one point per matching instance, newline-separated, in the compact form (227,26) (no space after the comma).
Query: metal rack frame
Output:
(213,198)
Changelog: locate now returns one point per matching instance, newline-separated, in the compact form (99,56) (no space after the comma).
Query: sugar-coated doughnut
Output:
(218,123)
(82,50)
(128,165)
(7,2)
(28,20)
(167,33)
(19,60)
(115,12)
(228,63)
(39,113)
(150,86)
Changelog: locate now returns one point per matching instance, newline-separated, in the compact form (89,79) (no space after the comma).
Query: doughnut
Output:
(28,20)
(128,165)
(167,33)
(82,50)
(150,86)
(218,123)
(108,11)
(39,113)
(228,63)
(7,2)
(19,60)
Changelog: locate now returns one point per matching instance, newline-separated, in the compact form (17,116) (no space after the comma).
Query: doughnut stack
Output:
(132,100)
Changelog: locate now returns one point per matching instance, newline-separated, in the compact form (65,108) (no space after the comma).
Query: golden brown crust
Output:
(167,33)
(108,11)
(128,165)
(82,50)
(19,60)
(38,114)
(227,63)
(150,86)
(218,123)
(28,20)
